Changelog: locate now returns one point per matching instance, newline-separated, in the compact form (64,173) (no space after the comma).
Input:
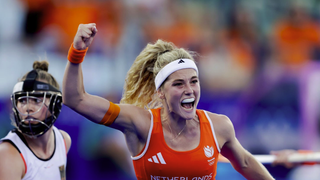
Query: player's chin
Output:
(188,113)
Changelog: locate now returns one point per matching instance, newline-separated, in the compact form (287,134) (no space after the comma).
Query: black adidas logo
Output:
(181,61)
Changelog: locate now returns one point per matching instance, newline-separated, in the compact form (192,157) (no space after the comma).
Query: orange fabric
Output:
(110,115)
(158,161)
(182,33)
(241,53)
(76,56)
(25,164)
(294,45)
(110,22)
(65,145)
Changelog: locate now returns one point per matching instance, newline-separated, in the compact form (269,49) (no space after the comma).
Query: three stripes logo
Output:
(157,159)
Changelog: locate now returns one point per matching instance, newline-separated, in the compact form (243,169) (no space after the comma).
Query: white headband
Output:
(172,67)
(17,87)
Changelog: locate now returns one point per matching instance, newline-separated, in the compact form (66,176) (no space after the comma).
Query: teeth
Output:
(188,100)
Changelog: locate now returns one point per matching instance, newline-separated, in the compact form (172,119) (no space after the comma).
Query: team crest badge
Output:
(208,151)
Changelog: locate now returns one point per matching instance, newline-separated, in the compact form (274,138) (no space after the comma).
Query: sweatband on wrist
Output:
(110,115)
(172,67)
(76,56)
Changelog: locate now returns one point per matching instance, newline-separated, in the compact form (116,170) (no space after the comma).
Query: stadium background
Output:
(258,60)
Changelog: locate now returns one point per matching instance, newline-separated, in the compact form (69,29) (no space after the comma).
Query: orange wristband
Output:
(110,115)
(76,56)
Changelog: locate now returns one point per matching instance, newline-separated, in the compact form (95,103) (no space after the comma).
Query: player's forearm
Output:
(254,170)
(72,86)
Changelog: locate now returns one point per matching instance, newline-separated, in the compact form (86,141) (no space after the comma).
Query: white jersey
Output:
(53,168)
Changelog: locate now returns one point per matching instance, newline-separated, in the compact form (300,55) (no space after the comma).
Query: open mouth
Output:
(30,120)
(187,103)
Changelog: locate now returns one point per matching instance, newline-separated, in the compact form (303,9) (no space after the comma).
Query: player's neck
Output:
(42,146)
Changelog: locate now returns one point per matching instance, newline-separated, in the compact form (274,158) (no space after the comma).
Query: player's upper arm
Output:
(11,163)
(92,107)
(95,108)
(133,119)
(223,128)
(230,146)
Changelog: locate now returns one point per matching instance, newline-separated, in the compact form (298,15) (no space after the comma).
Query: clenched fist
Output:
(84,36)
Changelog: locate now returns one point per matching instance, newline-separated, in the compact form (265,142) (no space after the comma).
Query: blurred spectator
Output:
(172,22)
(111,23)
(230,63)
(54,21)
(295,38)
(65,16)
(37,12)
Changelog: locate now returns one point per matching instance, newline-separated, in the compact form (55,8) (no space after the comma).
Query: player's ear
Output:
(160,93)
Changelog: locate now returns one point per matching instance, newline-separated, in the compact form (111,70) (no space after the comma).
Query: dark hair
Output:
(42,68)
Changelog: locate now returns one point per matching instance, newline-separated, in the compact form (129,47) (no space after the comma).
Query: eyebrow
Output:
(193,77)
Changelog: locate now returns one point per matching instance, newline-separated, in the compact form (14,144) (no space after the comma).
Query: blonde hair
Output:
(42,68)
(139,87)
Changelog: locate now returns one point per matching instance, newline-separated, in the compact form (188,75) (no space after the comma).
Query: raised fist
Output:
(84,36)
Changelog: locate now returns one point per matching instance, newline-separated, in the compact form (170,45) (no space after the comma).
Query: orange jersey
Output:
(158,161)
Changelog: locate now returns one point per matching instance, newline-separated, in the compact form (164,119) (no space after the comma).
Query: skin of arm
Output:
(11,164)
(242,160)
(74,94)
(133,121)
(94,108)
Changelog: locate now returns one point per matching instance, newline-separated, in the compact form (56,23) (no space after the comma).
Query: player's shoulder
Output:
(67,138)
(223,126)
(133,110)
(220,121)
(134,115)
(218,117)
(64,134)
(9,152)
(10,157)
(8,147)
